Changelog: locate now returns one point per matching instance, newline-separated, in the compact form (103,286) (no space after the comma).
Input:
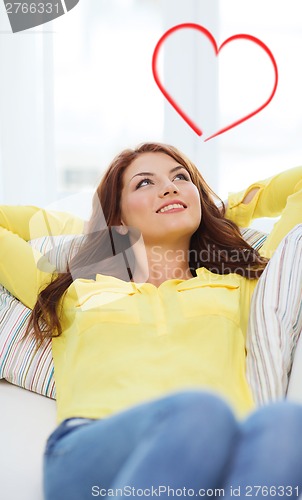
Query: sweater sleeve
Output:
(23,270)
(291,216)
(269,201)
(19,272)
(31,222)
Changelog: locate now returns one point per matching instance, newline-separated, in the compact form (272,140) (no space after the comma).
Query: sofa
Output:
(27,391)
(26,419)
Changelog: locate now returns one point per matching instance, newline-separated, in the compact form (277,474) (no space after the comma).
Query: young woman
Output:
(148,326)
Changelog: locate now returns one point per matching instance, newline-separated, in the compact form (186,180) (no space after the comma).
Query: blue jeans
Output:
(185,444)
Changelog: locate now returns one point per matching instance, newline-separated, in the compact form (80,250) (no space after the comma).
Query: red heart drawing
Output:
(217,49)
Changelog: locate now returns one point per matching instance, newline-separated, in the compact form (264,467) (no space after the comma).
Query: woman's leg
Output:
(275,321)
(267,462)
(181,441)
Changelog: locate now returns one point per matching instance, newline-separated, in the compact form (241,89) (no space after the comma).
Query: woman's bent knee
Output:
(200,408)
(283,417)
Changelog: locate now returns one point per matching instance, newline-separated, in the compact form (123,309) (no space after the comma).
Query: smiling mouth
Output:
(171,208)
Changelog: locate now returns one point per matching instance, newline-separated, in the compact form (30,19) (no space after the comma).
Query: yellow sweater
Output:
(277,195)
(125,343)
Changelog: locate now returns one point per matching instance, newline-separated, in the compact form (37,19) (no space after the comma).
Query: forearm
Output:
(17,218)
(21,269)
(290,217)
(269,200)
(31,222)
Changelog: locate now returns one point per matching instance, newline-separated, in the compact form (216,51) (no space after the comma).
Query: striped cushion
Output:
(20,362)
(253,237)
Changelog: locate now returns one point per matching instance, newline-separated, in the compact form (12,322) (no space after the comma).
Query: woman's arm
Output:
(23,270)
(290,217)
(31,222)
(265,198)
(278,195)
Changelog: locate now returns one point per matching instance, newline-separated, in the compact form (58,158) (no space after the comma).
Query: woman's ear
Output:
(122,229)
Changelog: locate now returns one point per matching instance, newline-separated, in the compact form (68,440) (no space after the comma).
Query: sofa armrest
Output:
(26,420)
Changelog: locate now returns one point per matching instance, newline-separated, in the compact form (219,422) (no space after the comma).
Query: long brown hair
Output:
(217,244)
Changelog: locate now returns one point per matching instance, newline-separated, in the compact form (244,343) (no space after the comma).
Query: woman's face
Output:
(160,199)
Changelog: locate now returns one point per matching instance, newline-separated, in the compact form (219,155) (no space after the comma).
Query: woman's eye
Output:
(183,176)
(143,182)
(146,181)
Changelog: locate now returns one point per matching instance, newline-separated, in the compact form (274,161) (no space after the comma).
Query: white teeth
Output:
(169,207)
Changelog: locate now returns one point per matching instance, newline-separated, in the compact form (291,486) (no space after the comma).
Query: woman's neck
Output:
(158,263)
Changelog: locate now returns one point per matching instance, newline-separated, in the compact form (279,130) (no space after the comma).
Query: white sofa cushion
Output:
(26,421)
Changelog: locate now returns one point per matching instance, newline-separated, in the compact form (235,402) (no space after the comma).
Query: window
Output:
(270,141)
(76,91)
(105,95)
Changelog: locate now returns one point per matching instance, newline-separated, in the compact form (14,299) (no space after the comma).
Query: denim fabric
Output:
(186,444)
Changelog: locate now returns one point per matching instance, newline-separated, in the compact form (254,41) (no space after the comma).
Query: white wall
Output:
(182,59)
(27,173)
(95,97)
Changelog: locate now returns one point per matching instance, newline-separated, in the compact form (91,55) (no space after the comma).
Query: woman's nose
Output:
(169,188)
